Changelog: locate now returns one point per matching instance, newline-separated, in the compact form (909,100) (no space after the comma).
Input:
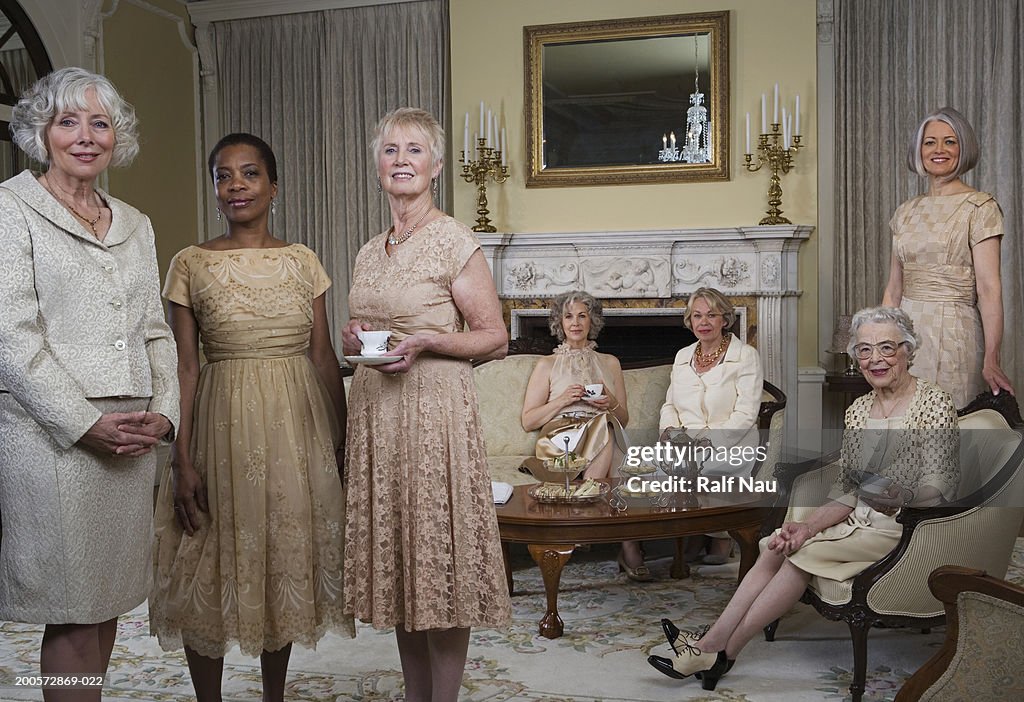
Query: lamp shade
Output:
(841,334)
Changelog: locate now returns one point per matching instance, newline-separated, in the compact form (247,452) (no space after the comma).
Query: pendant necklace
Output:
(395,241)
(91,222)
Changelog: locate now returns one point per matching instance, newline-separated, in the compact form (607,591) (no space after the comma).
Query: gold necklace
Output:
(705,359)
(395,241)
(91,222)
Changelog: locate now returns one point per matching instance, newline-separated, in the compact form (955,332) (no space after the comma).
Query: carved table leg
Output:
(506,552)
(551,558)
(680,568)
(747,538)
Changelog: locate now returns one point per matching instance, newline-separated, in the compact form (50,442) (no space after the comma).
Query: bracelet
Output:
(612,409)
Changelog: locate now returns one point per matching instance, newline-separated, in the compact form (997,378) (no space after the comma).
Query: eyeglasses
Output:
(886,349)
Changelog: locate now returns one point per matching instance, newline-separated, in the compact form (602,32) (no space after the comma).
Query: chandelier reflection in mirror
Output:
(697,146)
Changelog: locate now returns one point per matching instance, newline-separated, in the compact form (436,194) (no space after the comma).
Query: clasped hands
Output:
(129,434)
(790,538)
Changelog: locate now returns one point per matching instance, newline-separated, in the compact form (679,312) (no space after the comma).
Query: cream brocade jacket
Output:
(81,318)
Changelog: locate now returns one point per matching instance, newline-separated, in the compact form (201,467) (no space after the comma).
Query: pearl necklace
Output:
(91,222)
(705,359)
(395,241)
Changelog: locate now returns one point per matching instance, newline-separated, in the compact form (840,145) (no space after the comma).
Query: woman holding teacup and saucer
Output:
(422,552)
(900,449)
(561,401)
(715,393)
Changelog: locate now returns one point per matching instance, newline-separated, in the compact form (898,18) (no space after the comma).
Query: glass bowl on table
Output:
(577,492)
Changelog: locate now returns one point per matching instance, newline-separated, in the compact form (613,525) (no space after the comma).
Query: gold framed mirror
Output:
(628,101)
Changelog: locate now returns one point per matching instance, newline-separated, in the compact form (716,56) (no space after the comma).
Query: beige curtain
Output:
(896,62)
(313,85)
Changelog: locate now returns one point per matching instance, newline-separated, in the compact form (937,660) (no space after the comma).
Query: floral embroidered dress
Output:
(934,236)
(422,548)
(264,569)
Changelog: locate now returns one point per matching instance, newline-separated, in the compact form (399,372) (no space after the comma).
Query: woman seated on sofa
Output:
(715,391)
(557,401)
(900,448)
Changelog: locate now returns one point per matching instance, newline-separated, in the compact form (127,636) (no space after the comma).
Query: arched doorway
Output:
(23,59)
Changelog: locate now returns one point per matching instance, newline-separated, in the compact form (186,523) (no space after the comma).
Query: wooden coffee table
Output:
(551,531)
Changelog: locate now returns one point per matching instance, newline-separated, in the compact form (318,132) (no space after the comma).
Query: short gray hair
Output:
(969,152)
(716,301)
(62,91)
(562,302)
(885,315)
(405,117)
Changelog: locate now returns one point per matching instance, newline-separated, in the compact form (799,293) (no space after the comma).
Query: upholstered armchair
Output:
(982,658)
(977,530)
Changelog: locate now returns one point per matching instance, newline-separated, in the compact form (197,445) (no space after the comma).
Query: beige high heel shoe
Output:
(640,574)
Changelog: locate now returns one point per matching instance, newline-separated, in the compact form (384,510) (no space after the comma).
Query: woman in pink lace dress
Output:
(422,552)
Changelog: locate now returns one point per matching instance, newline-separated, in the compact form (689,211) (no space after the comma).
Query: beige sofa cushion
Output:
(645,394)
(501,388)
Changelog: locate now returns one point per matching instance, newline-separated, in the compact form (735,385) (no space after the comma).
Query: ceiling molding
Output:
(220,10)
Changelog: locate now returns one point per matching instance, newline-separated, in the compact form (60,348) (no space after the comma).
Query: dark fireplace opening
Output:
(630,338)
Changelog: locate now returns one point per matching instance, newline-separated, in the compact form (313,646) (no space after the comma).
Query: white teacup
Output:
(375,343)
(593,390)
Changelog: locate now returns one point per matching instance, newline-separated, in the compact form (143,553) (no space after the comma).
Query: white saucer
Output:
(373,360)
(595,397)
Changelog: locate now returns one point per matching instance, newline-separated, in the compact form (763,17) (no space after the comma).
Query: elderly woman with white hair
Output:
(944,269)
(88,380)
(422,552)
(900,449)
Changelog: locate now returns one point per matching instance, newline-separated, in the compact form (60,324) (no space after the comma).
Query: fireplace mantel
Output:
(755,261)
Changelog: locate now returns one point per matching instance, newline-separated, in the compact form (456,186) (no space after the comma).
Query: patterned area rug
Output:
(611,626)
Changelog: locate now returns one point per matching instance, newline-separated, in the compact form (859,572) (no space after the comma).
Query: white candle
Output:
(785,130)
(481,118)
(664,141)
(789,129)
(764,115)
(775,114)
(748,134)
(672,138)
(497,131)
(504,148)
(797,110)
(490,123)
(465,138)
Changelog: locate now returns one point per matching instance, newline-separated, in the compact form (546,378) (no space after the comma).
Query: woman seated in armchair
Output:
(558,402)
(900,449)
(715,391)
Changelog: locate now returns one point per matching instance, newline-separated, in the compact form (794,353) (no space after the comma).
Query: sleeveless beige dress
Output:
(422,548)
(264,569)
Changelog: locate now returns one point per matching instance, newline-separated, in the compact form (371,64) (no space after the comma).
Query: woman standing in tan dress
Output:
(250,513)
(945,263)
(422,552)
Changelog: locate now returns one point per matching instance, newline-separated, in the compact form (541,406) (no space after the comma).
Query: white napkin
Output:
(574,438)
(502,492)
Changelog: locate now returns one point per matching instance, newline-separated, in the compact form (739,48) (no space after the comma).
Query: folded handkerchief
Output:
(502,492)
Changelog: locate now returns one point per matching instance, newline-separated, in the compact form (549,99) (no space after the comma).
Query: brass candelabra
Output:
(771,151)
(487,164)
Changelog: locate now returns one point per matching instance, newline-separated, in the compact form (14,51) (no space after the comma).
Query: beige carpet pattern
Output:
(611,626)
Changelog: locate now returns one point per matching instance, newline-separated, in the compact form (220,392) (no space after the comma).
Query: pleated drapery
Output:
(895,63)
(313,85)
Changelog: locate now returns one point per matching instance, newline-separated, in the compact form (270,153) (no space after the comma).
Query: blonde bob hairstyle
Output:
(965,137)
(716,301)
(885,315)
(561,303)
(63,91)
(410,118)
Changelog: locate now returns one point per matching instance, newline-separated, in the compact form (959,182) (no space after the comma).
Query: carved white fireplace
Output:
(746,262)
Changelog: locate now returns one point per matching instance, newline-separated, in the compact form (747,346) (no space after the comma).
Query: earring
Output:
(273,207)
(433,184)
(218,214)
(379,189)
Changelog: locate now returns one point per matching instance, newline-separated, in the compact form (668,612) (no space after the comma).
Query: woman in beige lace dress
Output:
(945,263)
(422,552)
(250,514)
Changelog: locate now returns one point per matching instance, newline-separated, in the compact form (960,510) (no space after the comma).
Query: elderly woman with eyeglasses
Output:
(900,449)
